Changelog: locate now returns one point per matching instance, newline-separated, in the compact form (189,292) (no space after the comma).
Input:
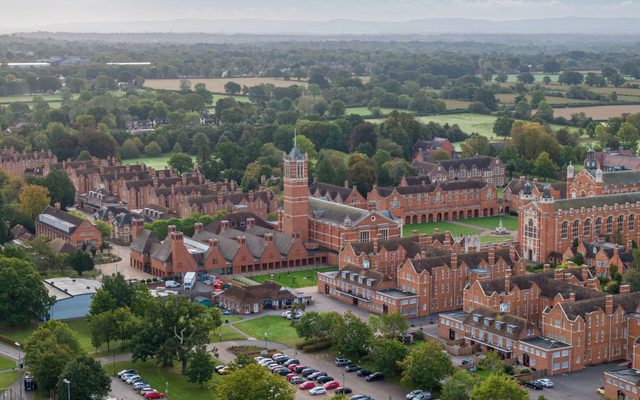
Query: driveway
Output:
(378,390)
(576,386)
(123,266)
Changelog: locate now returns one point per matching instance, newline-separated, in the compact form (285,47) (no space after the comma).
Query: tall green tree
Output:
(252,382)
(180,162)
(628,135)
(80,261)
(390,325)
(502,126)
(544,166)
(498,386)
(351,335)
(88,380)
(426,366)
(109,326)
(200,366)
(23,297)
(48,350)
(458,386)
(386,354)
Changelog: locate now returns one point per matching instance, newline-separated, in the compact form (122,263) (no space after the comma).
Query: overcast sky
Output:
(30,13)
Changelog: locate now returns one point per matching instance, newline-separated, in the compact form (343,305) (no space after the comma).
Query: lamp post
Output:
(265,341)
(20,382)
(68,382)
(344,384)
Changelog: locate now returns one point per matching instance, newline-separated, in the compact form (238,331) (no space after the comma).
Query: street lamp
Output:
(265,341)
(68,382)
(344,384)
(20,383)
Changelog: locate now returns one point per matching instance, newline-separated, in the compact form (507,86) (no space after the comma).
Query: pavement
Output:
(577,385)
(123,266)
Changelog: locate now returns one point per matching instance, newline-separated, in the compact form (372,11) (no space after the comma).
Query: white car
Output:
(126,376)
(546,382)
(133,379)
(286,314)
(317,390)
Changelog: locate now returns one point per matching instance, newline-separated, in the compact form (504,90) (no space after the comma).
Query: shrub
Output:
(316,347)
(419,334)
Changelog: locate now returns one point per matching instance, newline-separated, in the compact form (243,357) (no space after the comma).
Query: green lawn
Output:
(508,221)
(18,334)
(294,279)
(179,387)
(8,378)
(539,76)
(443,226)
(365,112)
(495,238)
(7,363)
(239,99)
(158,162)
(278,329)
(227,334)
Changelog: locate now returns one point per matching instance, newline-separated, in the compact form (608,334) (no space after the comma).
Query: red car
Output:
(331,385)
(307,385)
(154,395)
(291,375)
(292,367)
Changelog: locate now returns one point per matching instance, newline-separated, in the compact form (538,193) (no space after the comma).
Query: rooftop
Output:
(459,316)
(544,343)
(63,288)
(628,374)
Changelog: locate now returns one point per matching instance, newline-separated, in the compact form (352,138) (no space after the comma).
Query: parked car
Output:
(342,390)
(307,385)
(292,367)
(286,313)
(308,371)
(154,395)
(273,357)
(281,359)
(296,380)
(127,371)
(423,396)
(144,392)
(259,358)
(317,391)
(376,376)
(291,361)
(352,368)
(533,385)
(299,368)
(413,394)
(227,312)
(139,384)
(324,379)
(290,376)
(171,284)
(317,375)
(126,376)
(546,382)
(282,371)
(466,361)
(364,372)
(218,368)
(142,387)
(342,362)
(361,397)
(331,385)
(133,379)
(224,371)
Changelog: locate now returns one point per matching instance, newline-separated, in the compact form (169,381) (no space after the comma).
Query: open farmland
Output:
(216,85)
(598,113)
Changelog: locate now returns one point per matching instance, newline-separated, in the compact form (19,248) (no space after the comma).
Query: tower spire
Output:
(295,138)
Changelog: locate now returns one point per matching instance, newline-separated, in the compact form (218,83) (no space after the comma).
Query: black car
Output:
(324,379)
(299,369)
(376,376)
(352,368)
(308,371)
(343,390)
(364,372)
(281,359)
(283,371)
(342,362)
(291,361)
(533,385)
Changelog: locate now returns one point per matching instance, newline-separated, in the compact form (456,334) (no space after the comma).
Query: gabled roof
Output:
(479,162)
(516,184)
(429,188)
(237,220)
(471,260)
(255,244)
(60,220)
(628,301)
(597,201)
(338,213)
(410,244)
(621,177)
(497,322)
(257,293)
(282,241)
(228,247)
(329,191)
(144,240)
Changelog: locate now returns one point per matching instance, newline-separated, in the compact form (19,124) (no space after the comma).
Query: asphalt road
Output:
(576,386)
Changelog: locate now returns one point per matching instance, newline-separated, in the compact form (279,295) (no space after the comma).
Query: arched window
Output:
(598,226)
(587,227)
(530,229)
(620,224)
(576,228)
(632,222)
(564,231)
(609,225)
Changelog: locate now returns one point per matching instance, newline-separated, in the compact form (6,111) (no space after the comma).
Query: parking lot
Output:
(578,385)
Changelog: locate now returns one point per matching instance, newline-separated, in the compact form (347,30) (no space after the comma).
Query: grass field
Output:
(239,99)
(216,85)
(8,378)
(508,221)
(443,226)
(513,78)
(179,388)
(159,162)
(6,363)
(598,113)
(227,334)
(294,279)
(278,329)
(365,112)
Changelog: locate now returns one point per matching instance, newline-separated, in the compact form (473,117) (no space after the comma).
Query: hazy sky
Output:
(29,13)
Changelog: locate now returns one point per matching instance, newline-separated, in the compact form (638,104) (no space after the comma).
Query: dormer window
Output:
(499,325)
(511,328)
(476,318)
(487,321)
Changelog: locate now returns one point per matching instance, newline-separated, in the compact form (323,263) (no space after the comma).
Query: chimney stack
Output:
(609,304)
(241,240)
(507,280)
(492,256)
(585,272)
(268,237)
(197,227)
(558,275)
(346,184)
(424,239)
(213,243)
(137,225)
(572,297)
(454,260)
(224,225)
(625,289)
(546,268)
(171,229)
(436,231)
(250,223)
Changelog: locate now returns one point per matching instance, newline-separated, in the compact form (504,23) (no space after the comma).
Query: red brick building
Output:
(608,161)
(441,201)
(513,191)
(79,233)
(338,194)
(547,227)
(219,249)
(255,299)
(481,168)
(597,183)
(20,164)
(600,256)
(423,149)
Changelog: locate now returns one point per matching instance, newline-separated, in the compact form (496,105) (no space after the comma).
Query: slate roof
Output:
(621,177)
(544,343)
(417,180)
(329,191)
(433,144)
(237,220)
(628,301)
(472,259)
(282,241)
(258,293)
(519,324)
(228,247)
(429,188)
(255,244)
(597,201)
(410,244)
(72,220)
(607,160)
(142,243)
(515,186)
(335,213)
(377,276)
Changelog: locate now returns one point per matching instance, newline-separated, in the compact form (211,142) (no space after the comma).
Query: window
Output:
(300,169)
(609,225)
(632,222)
(564,231)
(530,229)
(383,233)
(576,228)
(598,226)
(587,227)
(620,224)
(364,236)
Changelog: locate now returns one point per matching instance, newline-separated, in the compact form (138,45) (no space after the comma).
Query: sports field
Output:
(159,162)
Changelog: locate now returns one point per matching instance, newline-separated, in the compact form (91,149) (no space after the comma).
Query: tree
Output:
(60,187)
(628,135)
(200,366)
(351,335)
(104,228)
(492,362)
(115,292)
(33,200)
(385,354)
(426,366)
(544,166)
(545,112)
(362,172)
(476,145)
(502,126)
(23,297)
(80,261)
(458,386)
(390,326)
(486,97)
(232,88)
(526,78)
(309,325)
(394,170)
(87,378)
(632,277)
(200,146)
(523,110)
(152,149)
(252,382)
(336,108)
(180,162)
(498,386)
(551,67)
(130,149)
(109,326)
(570,78)
(48,350)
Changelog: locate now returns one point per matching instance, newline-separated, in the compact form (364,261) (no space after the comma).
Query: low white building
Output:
(73,297)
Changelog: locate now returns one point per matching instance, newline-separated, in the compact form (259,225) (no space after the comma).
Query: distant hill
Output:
(596,26)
